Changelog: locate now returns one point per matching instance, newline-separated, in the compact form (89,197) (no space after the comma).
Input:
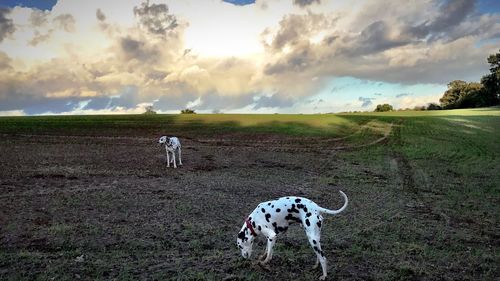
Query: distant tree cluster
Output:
(149,110)
(188,111)
(461,94)
(384,107)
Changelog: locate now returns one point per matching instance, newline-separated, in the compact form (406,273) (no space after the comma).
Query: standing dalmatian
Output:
(172,144)
(273,217)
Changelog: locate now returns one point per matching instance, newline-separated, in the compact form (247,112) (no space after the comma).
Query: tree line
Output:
(461,94)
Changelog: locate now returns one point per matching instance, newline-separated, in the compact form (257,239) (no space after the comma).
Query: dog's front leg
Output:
(168,160)
(173,159)
(271,240)
(180,157)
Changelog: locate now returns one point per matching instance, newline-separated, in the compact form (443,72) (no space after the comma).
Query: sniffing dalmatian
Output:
(172,144)
(273,217)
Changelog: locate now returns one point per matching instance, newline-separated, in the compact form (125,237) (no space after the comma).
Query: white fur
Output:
(172,144)
(273,217)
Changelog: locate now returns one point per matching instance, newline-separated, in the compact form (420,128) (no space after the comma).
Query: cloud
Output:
(155,18)
(6,25)
(39,18)
(305,3)
(273,101)
(451,13)
(403,95)
(100,15)
(66,22)
(117,55)
(365,101)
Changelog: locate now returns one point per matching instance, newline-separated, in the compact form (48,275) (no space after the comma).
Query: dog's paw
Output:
(322,277)
(264,265)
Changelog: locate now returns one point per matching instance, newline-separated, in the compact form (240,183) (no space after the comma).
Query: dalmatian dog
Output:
(172,144)
(273,217)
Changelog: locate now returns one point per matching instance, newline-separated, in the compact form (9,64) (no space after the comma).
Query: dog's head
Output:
(244,241)
(163,140)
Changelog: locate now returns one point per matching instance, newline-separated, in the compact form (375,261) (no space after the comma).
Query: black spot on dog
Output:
(260,228)
(268,216)
(278,210)
(242,236)
(293,209)
(308,214)
(319,224)
(282,229)
(305,209)
(308,223)
(288,198)
(317,217)
(263,210)
(314,242)
(272,206)
(253,224)
(297,200)
(300,206)
(271,240)
(318,251)
(290,217)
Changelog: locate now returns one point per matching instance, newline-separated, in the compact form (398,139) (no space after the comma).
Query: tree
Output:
(452,95)
(188,111)
(149,110)
(491,82)
(433,106)
(384,107)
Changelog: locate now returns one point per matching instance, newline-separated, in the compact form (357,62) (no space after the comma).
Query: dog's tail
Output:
(334,212)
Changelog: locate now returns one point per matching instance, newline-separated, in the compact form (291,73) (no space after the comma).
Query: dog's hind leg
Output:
(180,157)
(320,257)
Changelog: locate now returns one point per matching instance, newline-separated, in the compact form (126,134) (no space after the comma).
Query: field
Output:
(90,198)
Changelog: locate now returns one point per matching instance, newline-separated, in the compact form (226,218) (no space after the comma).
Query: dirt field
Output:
(97,206)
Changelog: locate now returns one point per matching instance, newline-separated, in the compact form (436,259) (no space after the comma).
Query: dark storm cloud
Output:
(297,61)
(155,18)
(135,49)
(451,14)
(36,104)
(365,101)
(6,25)
(273,101)
(66,22)
(373,39)
(304,3)
(100,15)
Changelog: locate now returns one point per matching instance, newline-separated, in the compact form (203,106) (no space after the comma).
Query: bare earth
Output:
(87,207)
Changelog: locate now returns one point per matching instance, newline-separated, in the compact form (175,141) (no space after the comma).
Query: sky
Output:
(238,56)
